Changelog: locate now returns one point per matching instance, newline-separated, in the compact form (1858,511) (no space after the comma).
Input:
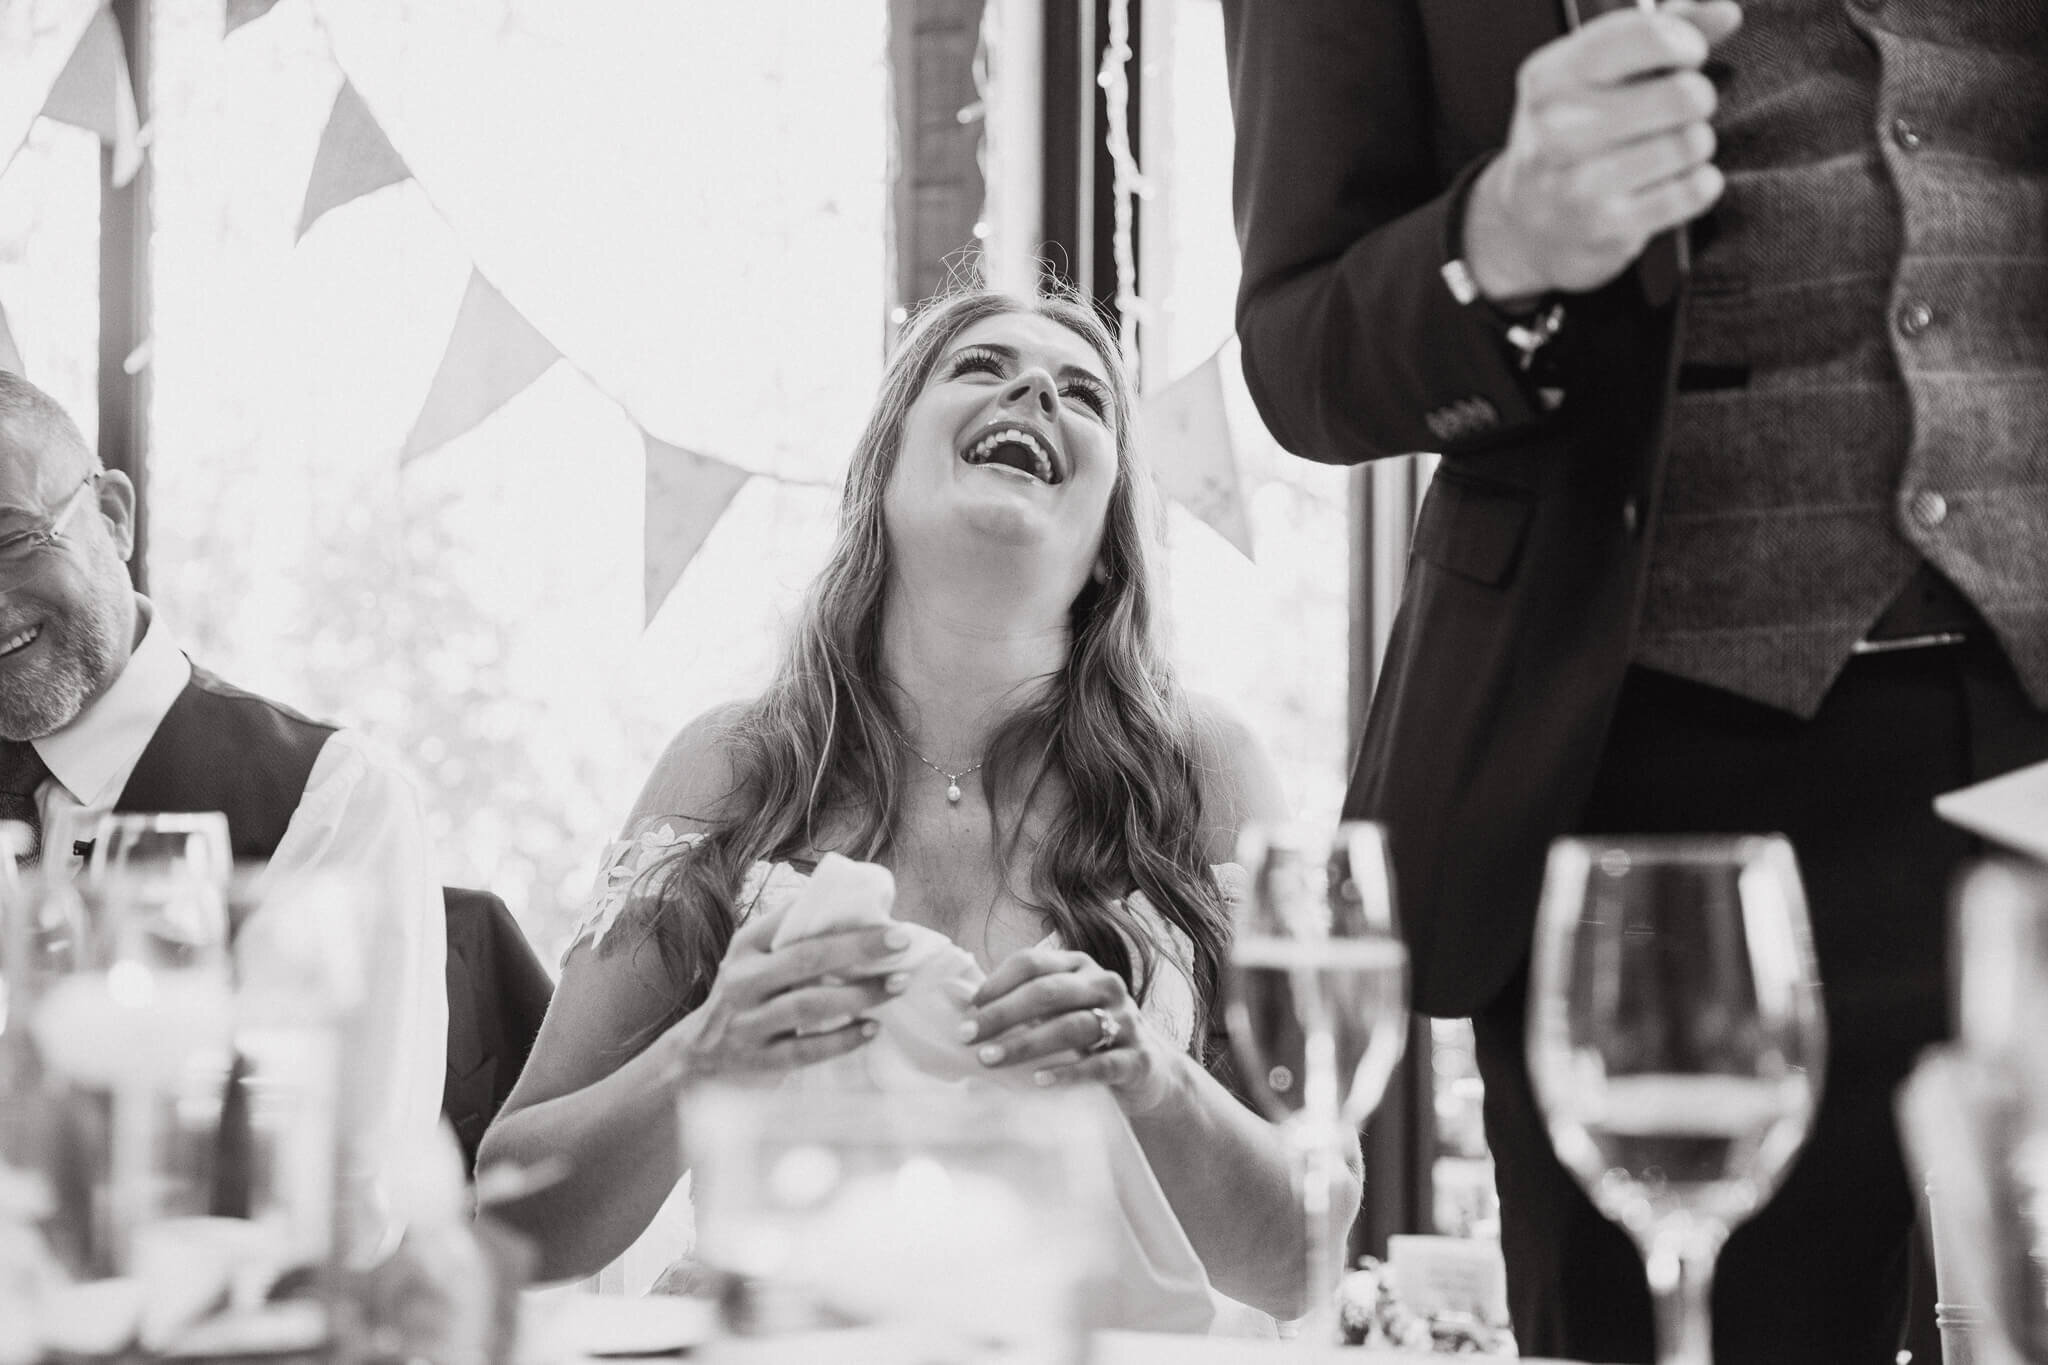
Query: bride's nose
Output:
(1033,387)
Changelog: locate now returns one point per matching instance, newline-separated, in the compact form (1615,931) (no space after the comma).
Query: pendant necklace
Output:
(952,779)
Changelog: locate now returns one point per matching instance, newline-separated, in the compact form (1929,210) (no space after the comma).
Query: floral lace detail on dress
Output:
(620,868)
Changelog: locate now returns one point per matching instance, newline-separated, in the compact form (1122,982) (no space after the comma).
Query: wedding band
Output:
(1109,1027)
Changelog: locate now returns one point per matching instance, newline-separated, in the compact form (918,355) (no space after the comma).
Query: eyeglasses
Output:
(21,554)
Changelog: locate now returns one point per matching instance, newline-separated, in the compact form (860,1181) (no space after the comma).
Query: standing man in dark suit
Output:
(100,712)
(1764,552)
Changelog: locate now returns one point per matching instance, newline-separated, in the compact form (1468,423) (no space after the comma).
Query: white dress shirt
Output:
(359,815)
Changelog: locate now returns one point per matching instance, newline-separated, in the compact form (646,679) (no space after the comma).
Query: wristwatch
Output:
(1527,333)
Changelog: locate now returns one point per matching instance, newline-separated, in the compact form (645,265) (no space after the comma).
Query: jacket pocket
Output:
(1474,528)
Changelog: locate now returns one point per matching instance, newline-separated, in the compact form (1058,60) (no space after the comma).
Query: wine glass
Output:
(160,880)
(1676,1042)
(1318,1012)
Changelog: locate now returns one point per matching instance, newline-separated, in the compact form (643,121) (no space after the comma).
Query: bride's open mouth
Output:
(1016,448)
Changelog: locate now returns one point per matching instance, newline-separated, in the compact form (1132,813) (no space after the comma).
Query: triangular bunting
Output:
(10,354)
(1185,432)
(37,40)
(96,94)
(354,158)
(686,495)
(493,353)
(240,12)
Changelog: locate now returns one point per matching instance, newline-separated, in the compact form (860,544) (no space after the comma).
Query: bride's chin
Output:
(1006,522)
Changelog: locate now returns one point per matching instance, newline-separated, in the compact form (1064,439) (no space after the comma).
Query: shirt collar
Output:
(102,743)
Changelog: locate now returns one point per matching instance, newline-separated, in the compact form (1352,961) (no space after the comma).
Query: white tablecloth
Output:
(613,1327)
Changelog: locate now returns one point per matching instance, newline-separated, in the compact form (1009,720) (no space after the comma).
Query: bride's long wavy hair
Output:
(1106,748)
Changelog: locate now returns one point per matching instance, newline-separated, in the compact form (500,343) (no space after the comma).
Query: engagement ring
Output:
(1110,1028)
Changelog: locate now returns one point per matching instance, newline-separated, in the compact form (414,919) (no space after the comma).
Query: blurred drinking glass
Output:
(122,997)
(161,881)
(2001,955)
(298,977)
(1676,1042)
(1318,1013)
(973,1223)
(172,1100)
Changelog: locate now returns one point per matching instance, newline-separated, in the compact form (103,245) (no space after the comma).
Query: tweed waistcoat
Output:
(1864,379)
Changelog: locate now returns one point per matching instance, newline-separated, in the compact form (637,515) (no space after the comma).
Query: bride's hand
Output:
(772,1009)
(1072,1021)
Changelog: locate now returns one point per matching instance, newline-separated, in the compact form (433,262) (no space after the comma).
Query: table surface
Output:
(1110,1348)
(603,1330)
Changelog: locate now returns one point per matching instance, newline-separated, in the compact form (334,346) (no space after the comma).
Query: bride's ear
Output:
(1100,573)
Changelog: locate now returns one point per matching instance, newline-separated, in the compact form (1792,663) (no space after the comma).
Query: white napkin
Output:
(2011,810)
(1161,1283)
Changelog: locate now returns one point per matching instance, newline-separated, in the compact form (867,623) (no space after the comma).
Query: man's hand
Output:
(1610,145)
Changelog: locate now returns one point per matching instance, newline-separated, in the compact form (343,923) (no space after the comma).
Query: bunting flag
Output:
(493,353)
(1185,432)
(37,38)
(95,93)
(240,12)
(10,354)
(686,495)
(355,157)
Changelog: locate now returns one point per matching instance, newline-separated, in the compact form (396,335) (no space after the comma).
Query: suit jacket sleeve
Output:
(1352,341)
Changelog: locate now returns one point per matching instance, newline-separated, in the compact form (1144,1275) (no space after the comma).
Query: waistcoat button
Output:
(1929,508)
(1915,316)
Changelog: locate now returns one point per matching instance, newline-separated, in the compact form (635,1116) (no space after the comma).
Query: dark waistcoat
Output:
(1864,377)
(220,748)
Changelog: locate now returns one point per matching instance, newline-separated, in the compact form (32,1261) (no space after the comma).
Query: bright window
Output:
(479,610)
(1270,636)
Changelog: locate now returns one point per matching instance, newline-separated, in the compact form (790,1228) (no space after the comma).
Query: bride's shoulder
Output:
(683,797)
(693,779)
(1239,783)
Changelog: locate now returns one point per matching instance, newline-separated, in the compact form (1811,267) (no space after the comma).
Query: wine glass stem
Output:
(1319,1158)
(1680,1264)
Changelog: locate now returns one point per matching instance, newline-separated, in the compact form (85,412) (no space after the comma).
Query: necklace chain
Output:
(952,778)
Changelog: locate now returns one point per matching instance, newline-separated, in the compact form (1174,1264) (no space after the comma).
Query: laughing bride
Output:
(975,700)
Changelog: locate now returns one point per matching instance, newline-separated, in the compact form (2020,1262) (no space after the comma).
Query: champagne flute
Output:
(1318,1013)
(1676,1042)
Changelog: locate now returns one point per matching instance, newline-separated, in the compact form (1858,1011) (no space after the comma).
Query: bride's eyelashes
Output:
(1090,393)
(975,359)
(970,359)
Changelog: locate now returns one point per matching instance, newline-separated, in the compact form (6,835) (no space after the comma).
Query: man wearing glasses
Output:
(101,712)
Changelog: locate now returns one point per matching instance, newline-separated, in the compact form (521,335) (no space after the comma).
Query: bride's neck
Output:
(960,666)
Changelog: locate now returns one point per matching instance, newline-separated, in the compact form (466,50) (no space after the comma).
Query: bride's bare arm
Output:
(599,1092)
